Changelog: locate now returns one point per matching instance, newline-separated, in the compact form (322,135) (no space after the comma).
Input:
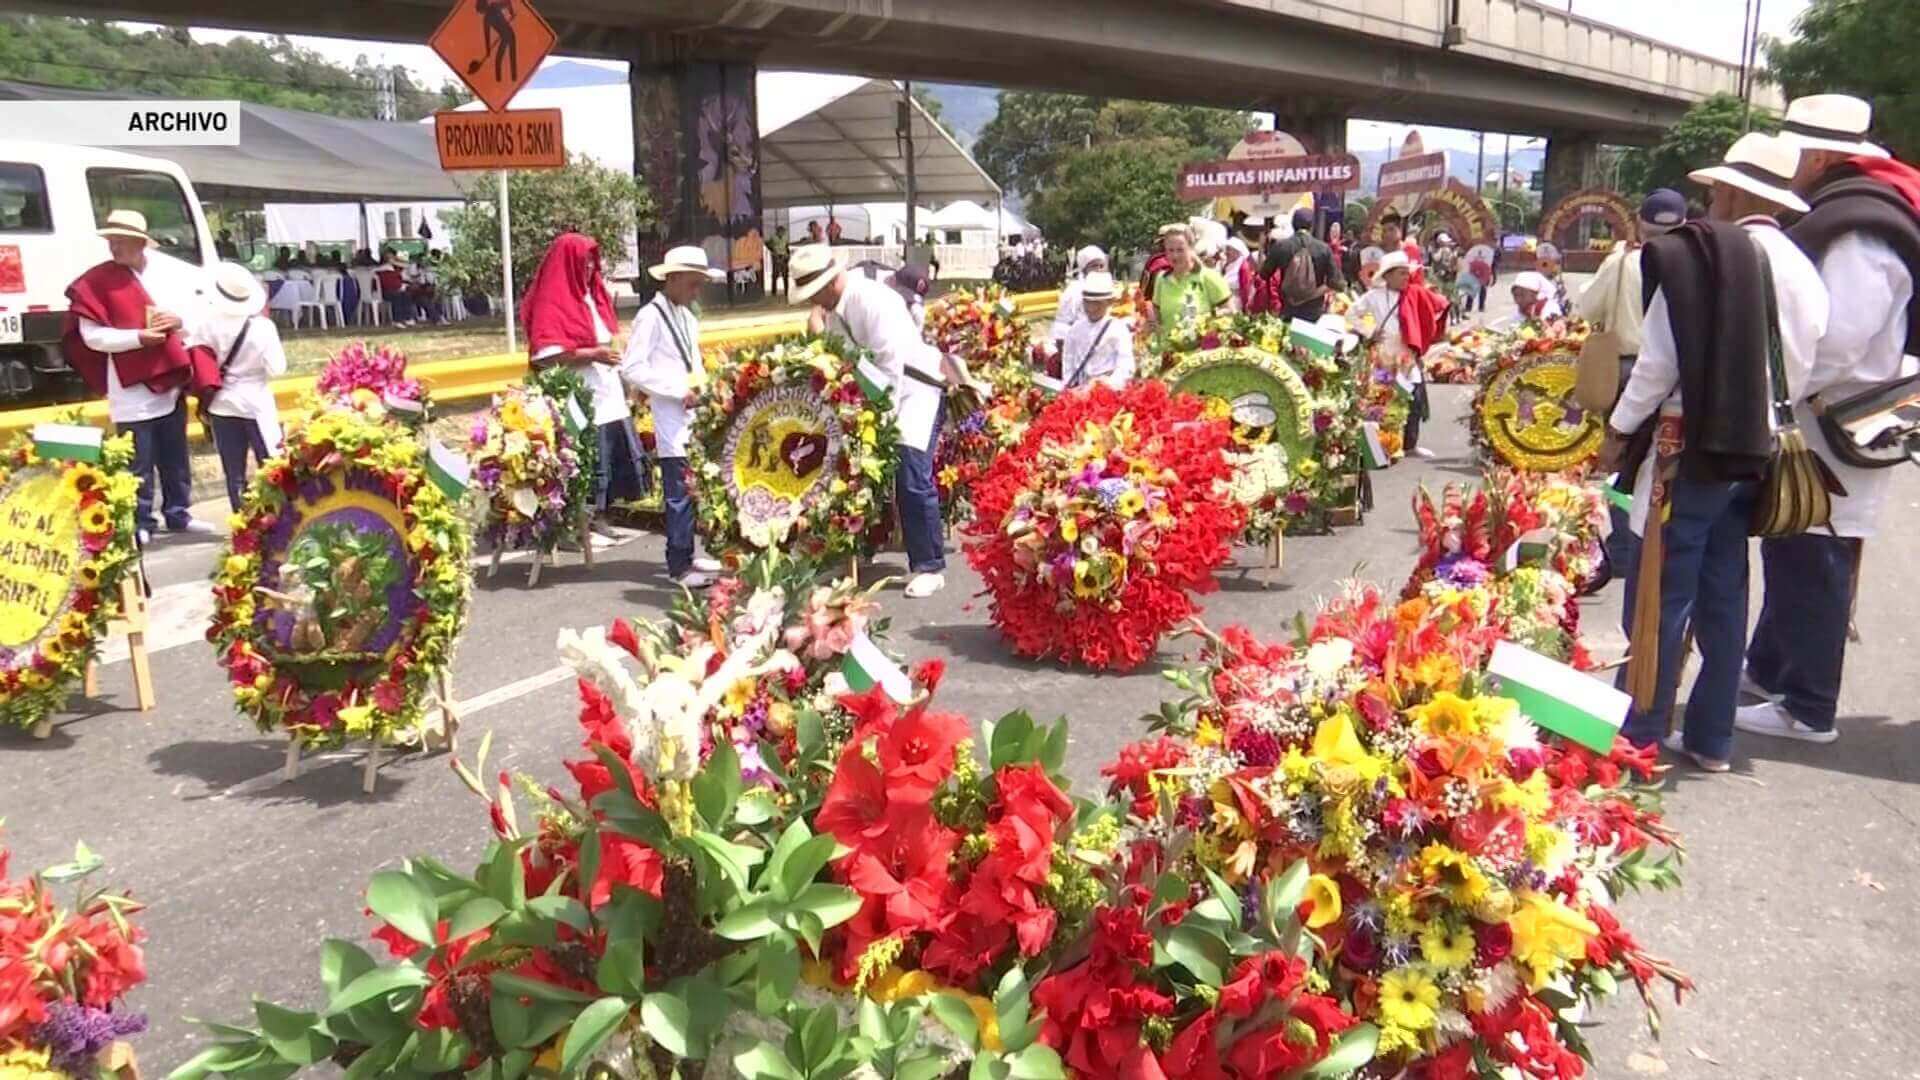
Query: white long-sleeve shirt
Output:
(1655,384)
(663,361)
(1071,312)
(175,287)
(1865,343)
(603,380)
(244,384)
(1612,299)
(1098,351)
(1382,305)
(875,318)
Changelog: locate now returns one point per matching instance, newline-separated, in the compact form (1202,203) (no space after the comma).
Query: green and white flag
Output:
(1533,547)
(1315,338)
(1373,452)
(1621,499)
(865,667)
(576,419)
(872,380)
(448,471)
(1558,698)
(68,442)
(1048,383)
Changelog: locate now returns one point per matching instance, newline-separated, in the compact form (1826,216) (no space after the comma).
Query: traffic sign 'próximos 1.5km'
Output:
(515,139)
(494,46)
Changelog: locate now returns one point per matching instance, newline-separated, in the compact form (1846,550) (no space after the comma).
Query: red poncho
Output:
(1423,317)
(111,295)
(552,312)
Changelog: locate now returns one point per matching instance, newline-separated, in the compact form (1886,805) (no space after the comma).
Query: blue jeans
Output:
(160,445)
(402,304)
(919,504)
(1703,582)
(1799,645)
(679,505)
(234,437)
(1623,547)
(622,471)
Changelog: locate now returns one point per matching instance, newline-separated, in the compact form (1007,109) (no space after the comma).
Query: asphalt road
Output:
(1797,919)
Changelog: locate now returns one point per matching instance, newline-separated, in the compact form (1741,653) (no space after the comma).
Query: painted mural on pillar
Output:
(1587,224)
(657,155)
(723,163)
(1456,209)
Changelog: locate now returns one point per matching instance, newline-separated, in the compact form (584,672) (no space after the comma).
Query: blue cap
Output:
(1663,209)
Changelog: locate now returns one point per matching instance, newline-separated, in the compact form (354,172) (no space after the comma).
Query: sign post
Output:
(506,263)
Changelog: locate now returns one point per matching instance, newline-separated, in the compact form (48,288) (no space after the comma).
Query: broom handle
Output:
(1643,649)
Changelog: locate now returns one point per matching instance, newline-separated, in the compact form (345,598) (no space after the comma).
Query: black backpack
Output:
(1300,281)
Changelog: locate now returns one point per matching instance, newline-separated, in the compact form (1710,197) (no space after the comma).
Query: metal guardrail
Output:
(479,376)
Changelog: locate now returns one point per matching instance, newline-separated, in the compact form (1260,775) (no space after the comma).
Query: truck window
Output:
(156,195)
(23,199)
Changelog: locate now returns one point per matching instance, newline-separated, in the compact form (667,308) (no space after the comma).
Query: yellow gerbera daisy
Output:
(1447,948)
(1408,998)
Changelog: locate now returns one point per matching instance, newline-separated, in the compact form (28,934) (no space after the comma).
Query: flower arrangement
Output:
(1384,402)
(1524,415)
(343,586)
(1094,532)
(1270,411)
(64,974)
(790,450)
(1458,359)
(87,510)
(983,327)
(561,385)
(373,381)
(524,461)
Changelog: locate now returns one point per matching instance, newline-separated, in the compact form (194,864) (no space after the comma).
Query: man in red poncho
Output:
(1408,318)
(127,335)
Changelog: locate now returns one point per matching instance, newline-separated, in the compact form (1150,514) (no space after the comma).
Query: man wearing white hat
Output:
(663,361)
(1863,232)
(243,416)
(1701,388)
(1534,296)
(1100,346)
(873,317)
(1087,260)
(128,331)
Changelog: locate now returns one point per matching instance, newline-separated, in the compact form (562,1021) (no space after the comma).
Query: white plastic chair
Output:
(456,307)
(313,303)
(373,310)
(328,287)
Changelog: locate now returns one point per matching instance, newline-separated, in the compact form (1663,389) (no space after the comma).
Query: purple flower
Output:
(75,1034)
(1462,572)
(1110,491)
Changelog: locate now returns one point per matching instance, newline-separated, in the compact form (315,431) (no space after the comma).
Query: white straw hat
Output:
(1098,285)
(237,294)
(1393,260)
(1533,281)
(1761,164)
(129,223)
(1830,122)
(685,259)
(813,267)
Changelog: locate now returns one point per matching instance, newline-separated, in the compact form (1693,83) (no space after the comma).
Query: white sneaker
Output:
(925,585)
(1423,452)
(706,565)
(1749,688)
(1677,744)
(694,580)
(1769,718)
(195,527)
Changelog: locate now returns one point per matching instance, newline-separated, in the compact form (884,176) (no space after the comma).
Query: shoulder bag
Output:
(1796,494)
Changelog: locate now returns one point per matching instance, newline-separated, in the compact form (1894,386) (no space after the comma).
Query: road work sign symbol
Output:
(515,139)
(494,46)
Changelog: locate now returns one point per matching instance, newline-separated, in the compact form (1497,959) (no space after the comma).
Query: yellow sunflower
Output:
(96,519)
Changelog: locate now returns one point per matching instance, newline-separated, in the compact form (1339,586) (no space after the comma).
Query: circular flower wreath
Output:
(36,680)
(1523,414)
(1272,439)
(300,657)
(1094,532)
(812,382)
(524,461)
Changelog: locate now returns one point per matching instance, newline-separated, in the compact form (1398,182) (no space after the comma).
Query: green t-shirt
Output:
(778,245)
(1182,300)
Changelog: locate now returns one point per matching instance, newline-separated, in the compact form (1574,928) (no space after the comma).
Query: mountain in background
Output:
(1460,164)
(565,74)
(964,109)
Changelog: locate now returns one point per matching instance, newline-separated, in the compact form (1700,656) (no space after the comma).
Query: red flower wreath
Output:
(1038,607)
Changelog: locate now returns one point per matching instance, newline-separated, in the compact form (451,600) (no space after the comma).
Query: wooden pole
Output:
(533,572)
(133,607)
(371,776)
(586,539)
(292,770)
(449,712)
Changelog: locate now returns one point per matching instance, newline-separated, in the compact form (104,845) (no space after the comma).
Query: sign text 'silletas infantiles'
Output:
(1265,176)
(1413,175)
(516,139)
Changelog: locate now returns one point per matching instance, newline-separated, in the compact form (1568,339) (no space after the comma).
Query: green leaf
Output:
(791,838)
(404,904)
(590,1031)
(1053,757)
(475,915)
(295,1036)
(805,864)
(810,929)
(756,807)
(1008,743)
(507,876)
(512,1021)
(1038,1062)
(733,860)
(831,904)
(809,732)
(777,973)
(765,1061)
(747,923)
(1223,892)
(84,862)
(341,962)
(666,1019)
(718,785)
(623,968)
(1169,888)
(956,1015)
(627,817)
(1353,1049)
(520,986)
(617,768)
(561,909)
(921,1068)
(1284,893)
(378,983)
(440,1050)
(1199,951)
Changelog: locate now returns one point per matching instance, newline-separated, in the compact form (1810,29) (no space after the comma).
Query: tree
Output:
(584,197)
(1034,133)
(1861,48)
(1517,208)
(1116,195)
(94,54)
(1700,139)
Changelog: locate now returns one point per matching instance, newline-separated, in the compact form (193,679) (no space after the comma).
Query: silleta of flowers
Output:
(563,385)
(1387,405)
(984,328)
(1524,415)
(1458,359)
(98,500)
(343,586)
(789,450)
(523,460)
(65,973)
(1093,534)
(1270,411)
(373,380)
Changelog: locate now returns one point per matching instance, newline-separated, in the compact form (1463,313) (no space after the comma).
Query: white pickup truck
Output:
(52,198)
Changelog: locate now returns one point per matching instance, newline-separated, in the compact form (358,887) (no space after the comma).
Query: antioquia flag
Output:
(67,442)
(1313,337)
(1558,698)
(1373,451)
(865,666)
(448,471)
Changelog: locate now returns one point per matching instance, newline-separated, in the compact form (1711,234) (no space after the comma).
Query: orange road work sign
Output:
(494,46)
(515,139)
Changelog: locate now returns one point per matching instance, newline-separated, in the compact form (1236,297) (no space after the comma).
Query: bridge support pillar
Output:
(1323,132)
(696,151)
(1573,162)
